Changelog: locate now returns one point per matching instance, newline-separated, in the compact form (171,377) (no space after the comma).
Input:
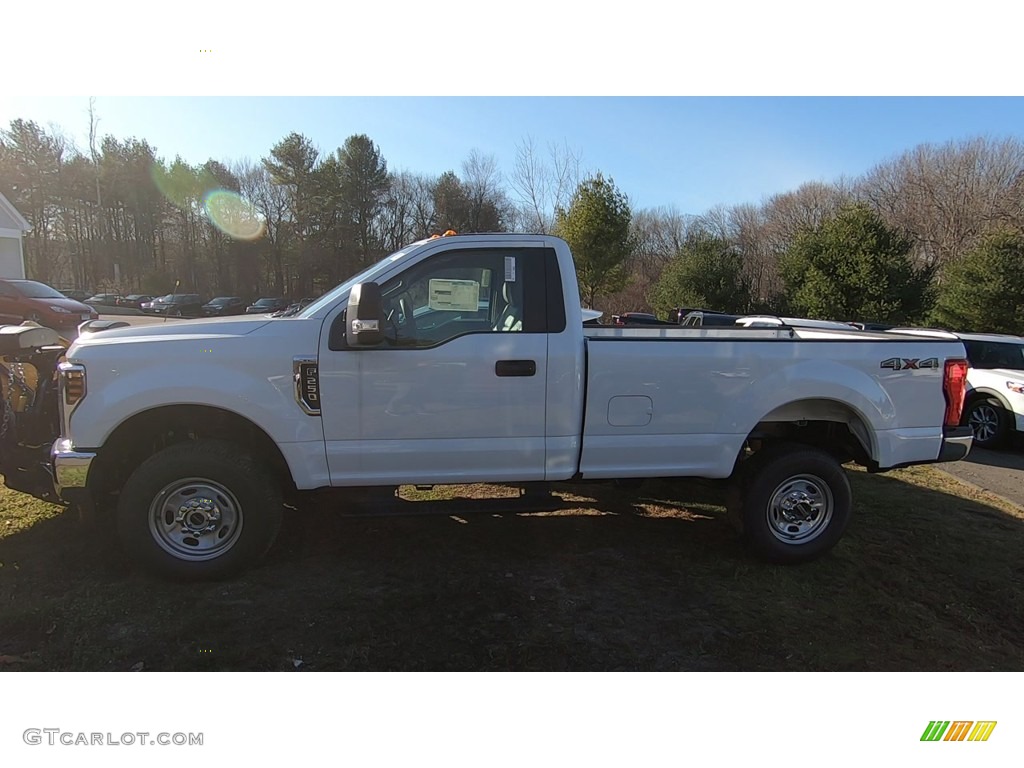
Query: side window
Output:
(459,292)
(983,354)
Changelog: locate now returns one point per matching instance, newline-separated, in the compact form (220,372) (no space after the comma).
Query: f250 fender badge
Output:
(909,364)
(307,384)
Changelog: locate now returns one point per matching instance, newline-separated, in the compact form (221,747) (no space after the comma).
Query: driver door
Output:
(456,393)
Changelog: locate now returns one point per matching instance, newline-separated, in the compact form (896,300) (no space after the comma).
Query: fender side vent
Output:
(307,384)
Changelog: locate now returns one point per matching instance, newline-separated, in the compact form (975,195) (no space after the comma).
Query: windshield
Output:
(223,300)
(30,289)
(266,302)
(367,275)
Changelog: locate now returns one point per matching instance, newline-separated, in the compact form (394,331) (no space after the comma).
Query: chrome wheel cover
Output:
(195,519)
(800,509)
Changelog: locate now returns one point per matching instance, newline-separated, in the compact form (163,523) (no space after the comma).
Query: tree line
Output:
(935,234)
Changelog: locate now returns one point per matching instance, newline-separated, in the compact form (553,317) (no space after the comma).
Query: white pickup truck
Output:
(465,359)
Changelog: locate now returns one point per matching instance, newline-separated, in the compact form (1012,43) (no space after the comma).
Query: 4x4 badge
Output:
(909,364)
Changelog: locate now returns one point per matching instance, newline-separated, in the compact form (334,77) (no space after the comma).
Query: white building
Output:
(12,228)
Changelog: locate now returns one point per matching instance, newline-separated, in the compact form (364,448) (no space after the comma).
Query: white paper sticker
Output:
(510,269)
(454,295)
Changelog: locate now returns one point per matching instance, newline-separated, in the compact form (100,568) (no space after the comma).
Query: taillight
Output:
(954,387)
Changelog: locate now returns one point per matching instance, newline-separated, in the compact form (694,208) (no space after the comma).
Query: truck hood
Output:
(172,330)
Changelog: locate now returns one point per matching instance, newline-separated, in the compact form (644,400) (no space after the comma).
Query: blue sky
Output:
(690,152)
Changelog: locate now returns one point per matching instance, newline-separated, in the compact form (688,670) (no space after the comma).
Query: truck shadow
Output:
(606,579)
(1005,459)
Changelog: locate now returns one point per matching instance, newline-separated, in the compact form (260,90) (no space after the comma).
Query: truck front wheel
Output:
(199,510)
(793,502)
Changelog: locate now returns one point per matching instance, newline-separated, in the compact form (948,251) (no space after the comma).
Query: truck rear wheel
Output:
(199,510)
(792,502)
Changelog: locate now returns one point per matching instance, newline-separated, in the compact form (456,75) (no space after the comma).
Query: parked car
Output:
(874,326)
(224,305)
(296,307)
(677,315)
(22,300)
(267,305)
(175,305)
(637,318)
(104,299)
(994,404)
(77,295)
(705,318)
(771,321)
(133,300)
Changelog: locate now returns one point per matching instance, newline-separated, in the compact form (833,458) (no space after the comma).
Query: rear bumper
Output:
(956,443)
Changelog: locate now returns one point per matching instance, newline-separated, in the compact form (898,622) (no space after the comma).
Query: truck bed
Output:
(674,402)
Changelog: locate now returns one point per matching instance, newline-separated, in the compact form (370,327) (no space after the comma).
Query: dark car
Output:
(874,326)
(637,318)
(267,305)
(104,299)
(175,305)
(133,300)
(224,305)
(22,300)
(77,295)
(296,306)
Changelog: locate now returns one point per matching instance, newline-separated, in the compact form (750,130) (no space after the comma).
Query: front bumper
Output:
(70,468)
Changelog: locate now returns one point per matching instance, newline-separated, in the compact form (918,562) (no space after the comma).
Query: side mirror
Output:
(365,317)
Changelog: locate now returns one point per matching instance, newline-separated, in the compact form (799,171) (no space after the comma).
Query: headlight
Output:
(61,310)
(1016,386)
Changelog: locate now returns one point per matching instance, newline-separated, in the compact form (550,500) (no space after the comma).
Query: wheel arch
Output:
(984,392)
(144,433)
(832,425)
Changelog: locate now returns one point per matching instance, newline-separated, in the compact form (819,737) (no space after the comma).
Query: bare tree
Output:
(482,182)
(543,186)
(948,195)
(272,202)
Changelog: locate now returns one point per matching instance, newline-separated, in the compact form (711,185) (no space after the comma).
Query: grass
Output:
(929,577)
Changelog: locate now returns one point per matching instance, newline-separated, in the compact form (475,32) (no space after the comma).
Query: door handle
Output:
(515,368)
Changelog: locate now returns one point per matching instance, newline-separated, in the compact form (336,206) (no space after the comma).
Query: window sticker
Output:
(510,269)
(454,295)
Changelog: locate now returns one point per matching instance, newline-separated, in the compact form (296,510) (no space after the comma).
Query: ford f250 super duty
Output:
(462,359)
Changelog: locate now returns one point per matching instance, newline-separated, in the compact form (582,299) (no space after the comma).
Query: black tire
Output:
(174,312)
(791,502)
(236,506)
(989,421)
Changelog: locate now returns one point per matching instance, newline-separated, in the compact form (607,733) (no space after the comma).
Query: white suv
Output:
(994,406)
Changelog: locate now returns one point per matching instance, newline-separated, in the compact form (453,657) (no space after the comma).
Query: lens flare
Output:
(232,215)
